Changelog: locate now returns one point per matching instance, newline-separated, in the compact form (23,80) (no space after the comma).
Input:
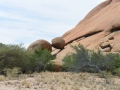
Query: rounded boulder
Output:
(43,44)
(58,43)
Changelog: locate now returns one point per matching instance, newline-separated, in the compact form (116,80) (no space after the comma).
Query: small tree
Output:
(13,56)
(40,59)
(84,58)
(17,56)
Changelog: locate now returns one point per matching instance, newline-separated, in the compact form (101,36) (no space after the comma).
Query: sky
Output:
(25,21)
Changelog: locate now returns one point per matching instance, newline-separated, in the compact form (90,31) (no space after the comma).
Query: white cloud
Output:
(24,21)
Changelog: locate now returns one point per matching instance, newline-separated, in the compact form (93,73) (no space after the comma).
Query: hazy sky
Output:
(24,21)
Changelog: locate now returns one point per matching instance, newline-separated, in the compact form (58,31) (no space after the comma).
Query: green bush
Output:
(83,59)
(117,71)
(113,62)
(75,61)
(40,59)
(13,56)
(17,56)
(49,66)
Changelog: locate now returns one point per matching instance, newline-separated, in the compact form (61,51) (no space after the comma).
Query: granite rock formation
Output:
(99,29)
(58,43)
(43,44)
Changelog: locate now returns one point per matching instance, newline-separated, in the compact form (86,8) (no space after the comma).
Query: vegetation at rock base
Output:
(12,56)
(15,59)
(40,59)
(92,61)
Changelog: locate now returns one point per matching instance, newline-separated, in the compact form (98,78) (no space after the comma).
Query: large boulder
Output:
(58,43)
(43,44)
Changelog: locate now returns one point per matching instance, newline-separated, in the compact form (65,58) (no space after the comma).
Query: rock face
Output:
(99,23)
(43,44)
(106,20)
(104,45)
(58,43)
(102,24)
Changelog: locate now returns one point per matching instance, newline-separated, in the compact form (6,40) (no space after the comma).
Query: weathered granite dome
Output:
(99,29)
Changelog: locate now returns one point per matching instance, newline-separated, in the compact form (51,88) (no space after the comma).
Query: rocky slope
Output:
(99,29)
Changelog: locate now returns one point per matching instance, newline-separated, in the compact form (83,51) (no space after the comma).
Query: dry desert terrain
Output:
(59,81)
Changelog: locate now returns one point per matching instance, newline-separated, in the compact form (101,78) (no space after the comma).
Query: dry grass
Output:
(2,78)
(61,81)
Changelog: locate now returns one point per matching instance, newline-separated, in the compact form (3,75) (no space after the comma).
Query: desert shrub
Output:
(117,71)
(92,61)
(2,78)
(113,62)
(40,59)
(75,61)
(17,56)
(49,66)
(12,73)
(109,62)
(83,58)
(14,56)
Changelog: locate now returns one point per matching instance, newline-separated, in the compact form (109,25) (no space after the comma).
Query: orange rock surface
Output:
(99,23)
(102,24)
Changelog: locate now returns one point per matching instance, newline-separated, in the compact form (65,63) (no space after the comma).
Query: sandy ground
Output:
(59,81)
